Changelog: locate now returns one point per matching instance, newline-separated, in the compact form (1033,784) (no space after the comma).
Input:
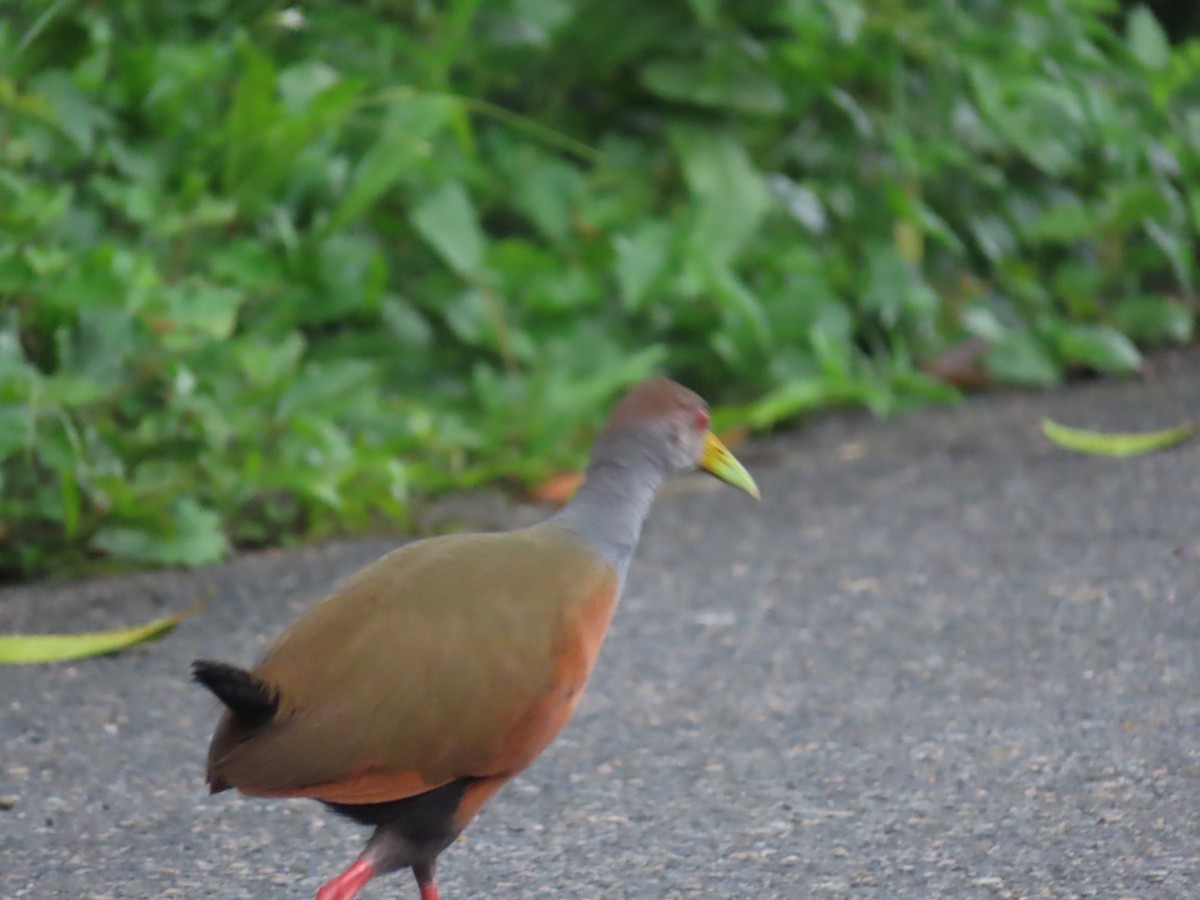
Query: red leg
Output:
(349,883)
(425,880)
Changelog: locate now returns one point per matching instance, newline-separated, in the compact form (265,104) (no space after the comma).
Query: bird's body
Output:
(408,696)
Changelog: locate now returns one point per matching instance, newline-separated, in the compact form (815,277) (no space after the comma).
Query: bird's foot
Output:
(350,882)
(429,890)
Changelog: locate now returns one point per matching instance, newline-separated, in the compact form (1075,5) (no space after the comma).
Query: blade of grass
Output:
(1117,444)
(37,27)
(530,127)
(24,649)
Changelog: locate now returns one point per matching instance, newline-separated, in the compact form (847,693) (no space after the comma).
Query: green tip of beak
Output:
(718,460)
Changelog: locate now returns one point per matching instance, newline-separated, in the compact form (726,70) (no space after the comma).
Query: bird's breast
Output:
(584,626)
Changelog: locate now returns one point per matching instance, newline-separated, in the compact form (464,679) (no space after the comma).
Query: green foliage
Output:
(270,271)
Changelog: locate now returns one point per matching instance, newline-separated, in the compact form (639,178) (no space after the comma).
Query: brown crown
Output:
(653,399)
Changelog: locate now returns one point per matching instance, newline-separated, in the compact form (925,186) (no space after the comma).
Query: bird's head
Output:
(668,425)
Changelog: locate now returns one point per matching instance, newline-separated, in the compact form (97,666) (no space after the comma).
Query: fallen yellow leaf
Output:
(557,489)
(1117,444)
(23,649)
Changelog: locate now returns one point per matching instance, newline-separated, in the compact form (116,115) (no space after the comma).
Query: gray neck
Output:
(610,506)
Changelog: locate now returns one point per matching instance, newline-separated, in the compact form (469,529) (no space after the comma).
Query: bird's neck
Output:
(610,506)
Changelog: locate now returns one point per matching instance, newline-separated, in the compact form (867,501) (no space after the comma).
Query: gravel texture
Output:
(941,659)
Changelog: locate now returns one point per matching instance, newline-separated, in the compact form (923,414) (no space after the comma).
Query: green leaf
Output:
(320,384)
(99,347)
(23,649)
(545,192)
(705,11)
(191,536)
(734,83)
(1068,218)
(801,202)
(195,312)
(796,398)
(16,428)
(253,109)
(468,316)
(1152,319)
(1097,347)
(1178,250)
(447,221)
(302,83)
(1021,358)
(247,263)
(404,322)
(70,391)
(738,298)
(1118,444)
(264,138)
(350,272)
(74,113)
(730,192)
(535,22)
(849,16)
(409,126)
(1146,39)
(789,401)
(886,284)
(642,256)
(267,362)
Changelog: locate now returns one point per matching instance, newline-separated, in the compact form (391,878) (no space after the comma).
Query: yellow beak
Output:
(718,460)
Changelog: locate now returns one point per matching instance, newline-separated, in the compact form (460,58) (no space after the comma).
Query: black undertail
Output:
(247,696)
(423,817)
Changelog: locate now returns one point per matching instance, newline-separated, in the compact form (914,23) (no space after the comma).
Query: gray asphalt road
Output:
(942,659)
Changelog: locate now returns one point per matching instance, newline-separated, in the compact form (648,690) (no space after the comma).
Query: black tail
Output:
(248,697)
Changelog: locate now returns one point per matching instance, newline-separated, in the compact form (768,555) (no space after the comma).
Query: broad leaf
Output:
(642,256)
(1098,347)
(408,127)
(446,219)
(1147,40)
(1022,358)
(192,536)
(731,193)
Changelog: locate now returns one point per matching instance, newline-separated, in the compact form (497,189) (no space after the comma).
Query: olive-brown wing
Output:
(450,657)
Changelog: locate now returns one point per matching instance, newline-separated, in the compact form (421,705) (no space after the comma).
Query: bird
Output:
(408,696)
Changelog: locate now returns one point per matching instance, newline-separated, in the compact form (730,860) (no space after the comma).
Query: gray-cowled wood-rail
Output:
(407,697)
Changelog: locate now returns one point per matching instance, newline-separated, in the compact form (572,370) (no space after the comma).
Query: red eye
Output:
(701,419)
